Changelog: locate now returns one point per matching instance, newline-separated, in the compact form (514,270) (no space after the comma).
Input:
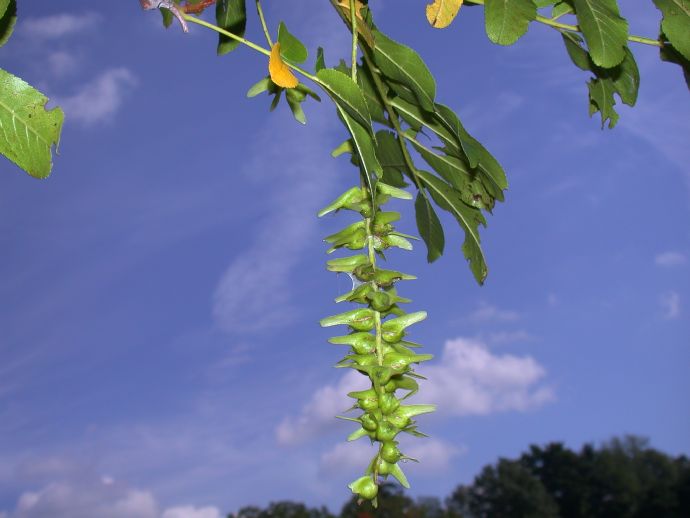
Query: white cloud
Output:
(318,414)
(469,380)
(255,292)
(62,63)
(347,456)
(489,313)
(98,499)
(667,259)
(58,25)
(192,512)
(99,99)
(670,303)
(63,500)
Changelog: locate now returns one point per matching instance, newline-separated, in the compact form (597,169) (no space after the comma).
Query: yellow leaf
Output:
(345,6)
(280,73)
(441,13)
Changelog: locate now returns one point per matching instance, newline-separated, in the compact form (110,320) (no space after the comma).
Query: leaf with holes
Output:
(27,130)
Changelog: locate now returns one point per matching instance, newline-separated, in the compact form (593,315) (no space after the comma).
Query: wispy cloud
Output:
(509,337)
(254,293)
(62,63)
(317,416)
(487,313)
(98,497)
(98,100)
(668,259)
(58,25)
(670,304)
(470,380)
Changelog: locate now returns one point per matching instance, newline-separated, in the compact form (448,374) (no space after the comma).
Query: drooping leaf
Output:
(601,100)
(671,55)
(259,87)
(231,15)
(429,227)
(441,13)
(623,79)
(676,24)
(363,145)
(468,217)
(8,19)
(391,158)
(28,129)
(279,71)
(507,21)
(366,85)
(291,48)
(294,99)
(345,92)
(404,66)
(605,31)
(467,143)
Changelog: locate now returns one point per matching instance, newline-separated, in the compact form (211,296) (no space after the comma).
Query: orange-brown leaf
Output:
(441,13)
(279,71)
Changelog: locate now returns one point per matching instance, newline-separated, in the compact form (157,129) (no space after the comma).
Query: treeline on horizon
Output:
(624,478)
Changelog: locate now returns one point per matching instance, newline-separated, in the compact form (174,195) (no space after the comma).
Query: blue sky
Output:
(159,348)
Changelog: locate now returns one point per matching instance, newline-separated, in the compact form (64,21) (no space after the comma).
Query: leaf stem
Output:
(260,11)
(249,44)
(353,23)
(574,28)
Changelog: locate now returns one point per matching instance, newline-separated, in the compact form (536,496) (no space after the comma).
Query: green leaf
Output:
(28,130)
(259,87)
(390,155)
(363,144)
(468,217)
(601,100)
(623,79)
(320,60)
(366,85)
(676,24)
(464,140)
(544,3)
(605,31)
(403,65)
(345,92)
(671,55)
(429,228)
(8,19)
(507,21)
(168,17)
(291,48)
(561,9)
(294,100)
(231,15)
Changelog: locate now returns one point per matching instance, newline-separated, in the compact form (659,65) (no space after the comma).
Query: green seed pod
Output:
(388,403)
(345,201)
(385,278)
(369,422)
(366,399)
(357,319)
(347,231)
(347,264)
(361,343)
(392,335)
(365,487)
(360,294)
(386,431)
(399,362)
(379,300)
(390,452)
(393,192)
(383,467)
(399,324)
